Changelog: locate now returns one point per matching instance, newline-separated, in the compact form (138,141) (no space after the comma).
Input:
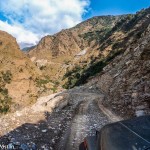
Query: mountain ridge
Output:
(64,46)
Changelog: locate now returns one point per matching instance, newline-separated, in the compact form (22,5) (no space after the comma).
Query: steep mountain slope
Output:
(126,32)
(125,81)
(17,76)
(70,47)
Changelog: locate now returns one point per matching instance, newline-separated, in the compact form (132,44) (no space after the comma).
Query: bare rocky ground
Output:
(59,121)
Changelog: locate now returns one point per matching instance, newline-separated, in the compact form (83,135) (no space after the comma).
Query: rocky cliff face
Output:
(125,81)
(123,35)
(17,76)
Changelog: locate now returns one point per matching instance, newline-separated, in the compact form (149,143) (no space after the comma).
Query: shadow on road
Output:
(43,134)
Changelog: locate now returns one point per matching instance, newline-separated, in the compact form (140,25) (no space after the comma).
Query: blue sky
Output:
(30,20)
(115,7)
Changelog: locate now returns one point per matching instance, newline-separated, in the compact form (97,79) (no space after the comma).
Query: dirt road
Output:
(87,119)
(63,129)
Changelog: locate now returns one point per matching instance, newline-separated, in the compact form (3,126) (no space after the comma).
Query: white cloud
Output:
(32,19)
(20,33)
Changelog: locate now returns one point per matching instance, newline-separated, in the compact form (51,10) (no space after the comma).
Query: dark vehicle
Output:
(131,134)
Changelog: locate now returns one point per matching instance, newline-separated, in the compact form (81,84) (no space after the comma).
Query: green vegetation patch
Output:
(5,99)
(5,77)
(95,35)
(79,76)
(41,83)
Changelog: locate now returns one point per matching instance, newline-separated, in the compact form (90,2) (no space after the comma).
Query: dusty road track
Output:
(87,119)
